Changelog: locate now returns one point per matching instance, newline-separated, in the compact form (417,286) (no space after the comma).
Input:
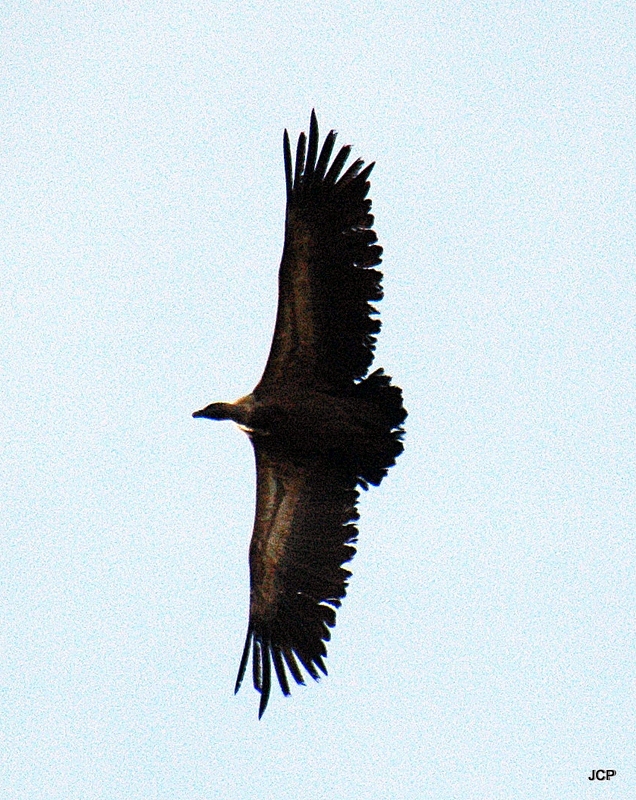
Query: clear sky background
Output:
(486,646)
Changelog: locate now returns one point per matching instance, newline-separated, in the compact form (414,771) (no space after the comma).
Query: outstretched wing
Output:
(303,533)
(325,328)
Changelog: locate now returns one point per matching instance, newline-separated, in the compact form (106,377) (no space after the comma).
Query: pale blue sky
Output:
(486,647)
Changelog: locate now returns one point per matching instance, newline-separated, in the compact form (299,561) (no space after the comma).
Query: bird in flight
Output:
(319,428)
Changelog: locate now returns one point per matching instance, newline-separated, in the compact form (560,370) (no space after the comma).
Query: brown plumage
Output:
(318,426)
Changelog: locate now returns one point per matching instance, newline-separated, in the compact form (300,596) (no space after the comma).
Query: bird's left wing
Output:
(326,325)
(303,533)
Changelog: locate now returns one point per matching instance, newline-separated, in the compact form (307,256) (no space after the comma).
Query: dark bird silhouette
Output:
(318,426)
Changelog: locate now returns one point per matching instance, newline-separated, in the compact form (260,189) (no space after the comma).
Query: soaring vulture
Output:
(318,426)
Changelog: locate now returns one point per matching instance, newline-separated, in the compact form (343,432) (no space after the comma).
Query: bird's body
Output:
(319,428)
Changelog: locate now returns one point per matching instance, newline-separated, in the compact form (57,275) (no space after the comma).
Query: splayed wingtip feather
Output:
(300,158)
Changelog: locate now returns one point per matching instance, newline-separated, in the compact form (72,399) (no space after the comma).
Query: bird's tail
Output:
(387,413)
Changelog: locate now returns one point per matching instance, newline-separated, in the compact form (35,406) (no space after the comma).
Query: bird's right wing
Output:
(303,533)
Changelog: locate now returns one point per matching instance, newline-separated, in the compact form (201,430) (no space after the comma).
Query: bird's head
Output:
(217,411)
(239,411)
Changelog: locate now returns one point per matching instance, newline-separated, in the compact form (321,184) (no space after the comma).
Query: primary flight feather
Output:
(319,427)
